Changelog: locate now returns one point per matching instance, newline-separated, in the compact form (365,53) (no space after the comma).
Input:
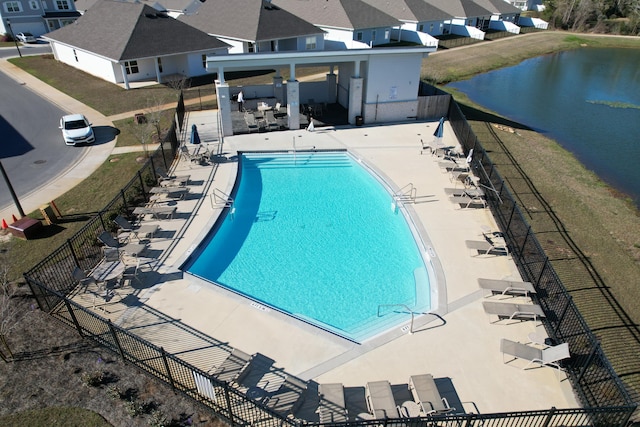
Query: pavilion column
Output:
(293,104)
(125,77)
(355,99)
(224,106)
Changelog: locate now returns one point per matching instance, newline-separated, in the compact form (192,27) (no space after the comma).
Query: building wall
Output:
(85,61)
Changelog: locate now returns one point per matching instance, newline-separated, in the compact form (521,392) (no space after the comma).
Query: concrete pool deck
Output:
(460,346)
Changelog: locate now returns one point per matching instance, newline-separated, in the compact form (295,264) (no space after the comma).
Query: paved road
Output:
(33,151)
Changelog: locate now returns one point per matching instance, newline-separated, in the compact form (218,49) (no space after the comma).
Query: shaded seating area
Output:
(549,356)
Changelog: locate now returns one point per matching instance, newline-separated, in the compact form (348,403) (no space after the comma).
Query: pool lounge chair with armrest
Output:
(467,201)
(289,397)
(507,287)
(172,180)
(512,311)
(380,400)
(426,394)
(133,249)
(156,211)
(550,356)
(332,408)
(484,247)
(126,228)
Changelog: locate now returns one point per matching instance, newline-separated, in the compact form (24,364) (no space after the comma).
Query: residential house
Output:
(421,21)
(504,15)
(354,23)
(467,18)
(136,43)
(36,16)
(173,8)
(255,26)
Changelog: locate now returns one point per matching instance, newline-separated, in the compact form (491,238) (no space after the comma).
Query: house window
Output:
(160,64)
(421,28)
(204,61)
(13,6)
(34,5)
(359,36)
(75,55)
(373,35)
(250,47)
(62,5)
(387,34)
(44,5)
(431,27)
(131,67)
(64,22)
(311,43)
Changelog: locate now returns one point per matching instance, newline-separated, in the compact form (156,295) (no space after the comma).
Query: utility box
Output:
(48,214)
(359,120)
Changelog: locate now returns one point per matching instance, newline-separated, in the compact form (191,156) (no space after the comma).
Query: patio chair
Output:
(156,211)
(127,229)
(425,393)
(133,249)
(550,356)
(380,400)
(507,287)
(82,279)
(513,311)
(272,123)
(332,407)
(169,180)
(287,399)
(250,120)
(487,247)
(232,367)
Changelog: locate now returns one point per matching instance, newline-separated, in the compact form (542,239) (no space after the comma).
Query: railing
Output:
(221,199)
(407,193)
(398,305)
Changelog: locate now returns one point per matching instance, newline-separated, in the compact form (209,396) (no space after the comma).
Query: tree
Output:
(143,128)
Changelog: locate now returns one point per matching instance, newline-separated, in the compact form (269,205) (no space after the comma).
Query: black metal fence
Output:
(589,371)
(605,399)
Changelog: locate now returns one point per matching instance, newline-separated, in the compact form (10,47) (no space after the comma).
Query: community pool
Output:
(315,235)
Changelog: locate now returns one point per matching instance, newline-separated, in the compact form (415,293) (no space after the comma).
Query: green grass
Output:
(55,417)
(76,207)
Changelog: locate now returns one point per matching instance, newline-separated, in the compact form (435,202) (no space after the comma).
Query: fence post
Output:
(227,398)
(166,366)
(144,192)
(564,313)
(73,317)
(524,243)
(116,340)
(124,200)
(104,227)
(73,253)
(547,421)
(544,267)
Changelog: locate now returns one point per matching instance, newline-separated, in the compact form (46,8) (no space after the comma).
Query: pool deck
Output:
(460,346)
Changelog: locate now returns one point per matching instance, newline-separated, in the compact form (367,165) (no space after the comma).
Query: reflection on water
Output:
(587,99)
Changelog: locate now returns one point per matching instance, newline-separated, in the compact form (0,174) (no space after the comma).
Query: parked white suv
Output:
(76,129)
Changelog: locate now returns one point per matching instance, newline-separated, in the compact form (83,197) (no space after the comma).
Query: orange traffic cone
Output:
(4,224)
(14,218)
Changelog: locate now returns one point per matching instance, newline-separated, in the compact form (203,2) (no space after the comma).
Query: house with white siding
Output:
(250,26)
(352,23)
(136,43)
(36,16)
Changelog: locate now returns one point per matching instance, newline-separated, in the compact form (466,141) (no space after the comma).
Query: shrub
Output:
(93,379)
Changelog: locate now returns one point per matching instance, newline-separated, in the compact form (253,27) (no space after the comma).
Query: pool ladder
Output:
(406,194)
(399,305)
(220,199)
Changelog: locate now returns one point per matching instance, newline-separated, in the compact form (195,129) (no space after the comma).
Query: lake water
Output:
(588,100)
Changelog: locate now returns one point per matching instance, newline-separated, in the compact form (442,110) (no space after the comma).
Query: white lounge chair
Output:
(466,201)
(172,180)
(426,394)
(133,249)
(156,211)
(505,310)
(380,400)
(507,287)
(550,356)
(487,247)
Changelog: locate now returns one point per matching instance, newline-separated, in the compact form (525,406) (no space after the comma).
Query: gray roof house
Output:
(345,21)
(417,16)
(135,43)
(36,16)
(255,26)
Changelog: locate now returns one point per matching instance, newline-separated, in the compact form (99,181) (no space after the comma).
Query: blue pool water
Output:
(314,235)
